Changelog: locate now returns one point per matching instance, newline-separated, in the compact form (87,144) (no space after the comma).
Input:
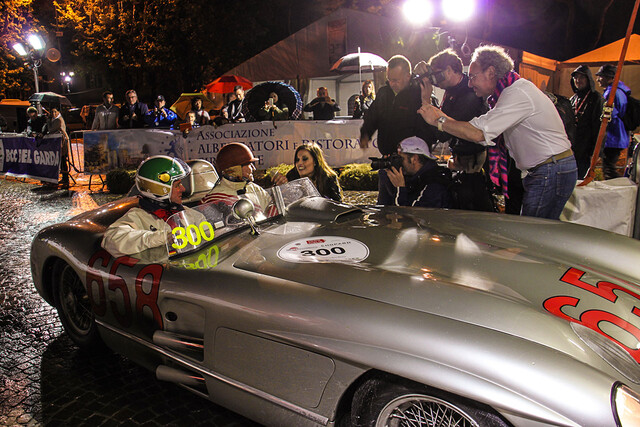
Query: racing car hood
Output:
(521,276)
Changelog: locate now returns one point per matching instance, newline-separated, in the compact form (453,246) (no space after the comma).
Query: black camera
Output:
(435,77)
(394,160)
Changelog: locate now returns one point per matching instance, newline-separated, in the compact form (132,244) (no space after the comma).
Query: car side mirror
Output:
(244,209)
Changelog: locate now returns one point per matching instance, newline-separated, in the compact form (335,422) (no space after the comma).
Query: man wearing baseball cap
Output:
(419,181)
(617,136)
(160,117)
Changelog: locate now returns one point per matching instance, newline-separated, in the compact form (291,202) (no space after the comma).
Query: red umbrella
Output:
(225,84)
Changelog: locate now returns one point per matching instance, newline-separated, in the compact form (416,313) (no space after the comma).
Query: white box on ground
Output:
(608,205)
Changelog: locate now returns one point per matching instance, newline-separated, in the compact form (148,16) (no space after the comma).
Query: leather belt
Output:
(553,159)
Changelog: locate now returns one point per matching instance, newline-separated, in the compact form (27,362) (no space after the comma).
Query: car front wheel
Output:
(74,307)
(393,402)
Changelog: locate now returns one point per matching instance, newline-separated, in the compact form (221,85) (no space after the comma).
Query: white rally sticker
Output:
(324,249)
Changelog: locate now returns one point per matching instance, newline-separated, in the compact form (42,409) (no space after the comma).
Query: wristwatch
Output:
(440,122)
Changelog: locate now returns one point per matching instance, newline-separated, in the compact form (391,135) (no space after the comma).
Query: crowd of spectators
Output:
(504,134)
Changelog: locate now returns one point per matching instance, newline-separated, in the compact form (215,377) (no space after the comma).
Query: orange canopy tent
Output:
(610,53)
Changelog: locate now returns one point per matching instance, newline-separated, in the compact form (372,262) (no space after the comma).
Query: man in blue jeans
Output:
(523,120)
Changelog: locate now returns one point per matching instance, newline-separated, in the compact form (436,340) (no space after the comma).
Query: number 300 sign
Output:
(192,234)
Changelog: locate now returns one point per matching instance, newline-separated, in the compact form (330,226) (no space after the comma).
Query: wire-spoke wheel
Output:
(422,411)
(385,400)
(74,307)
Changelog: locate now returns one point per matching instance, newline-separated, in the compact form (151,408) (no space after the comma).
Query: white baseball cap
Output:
(416,145)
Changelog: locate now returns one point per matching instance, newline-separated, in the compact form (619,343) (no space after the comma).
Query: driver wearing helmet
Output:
(159,180)
(235,164)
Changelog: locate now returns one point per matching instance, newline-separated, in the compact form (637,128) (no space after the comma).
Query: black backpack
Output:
(565,110)
(631,118)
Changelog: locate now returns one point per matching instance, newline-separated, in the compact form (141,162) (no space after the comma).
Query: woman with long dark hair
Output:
(309,162)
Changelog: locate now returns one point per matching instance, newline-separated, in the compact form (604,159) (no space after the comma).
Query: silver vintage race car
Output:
(328,314)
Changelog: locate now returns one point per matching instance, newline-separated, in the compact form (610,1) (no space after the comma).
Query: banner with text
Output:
(275,142)
(271,142)
(26,157)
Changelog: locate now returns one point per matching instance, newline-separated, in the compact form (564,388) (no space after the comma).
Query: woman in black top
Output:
(309,162)
(364,101)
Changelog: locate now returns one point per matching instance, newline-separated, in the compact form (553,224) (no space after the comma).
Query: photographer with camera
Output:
(322,107)
(394,115)
(273,109)
(444,70)
(524,124)
(160,117)
(417,178)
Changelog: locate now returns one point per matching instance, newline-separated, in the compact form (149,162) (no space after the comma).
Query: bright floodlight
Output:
(458,10)
(18,47)
(417,11)
(36,41)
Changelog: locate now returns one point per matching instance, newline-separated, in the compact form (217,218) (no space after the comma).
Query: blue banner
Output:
(27,157)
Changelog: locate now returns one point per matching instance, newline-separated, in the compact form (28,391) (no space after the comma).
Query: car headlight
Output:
(626,406)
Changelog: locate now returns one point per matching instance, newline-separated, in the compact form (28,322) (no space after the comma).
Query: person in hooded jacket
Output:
(617,136)
(587,107)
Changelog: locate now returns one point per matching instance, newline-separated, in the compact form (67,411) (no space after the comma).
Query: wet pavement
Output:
(44,378)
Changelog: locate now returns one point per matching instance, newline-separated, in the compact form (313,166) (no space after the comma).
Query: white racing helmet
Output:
(202,179)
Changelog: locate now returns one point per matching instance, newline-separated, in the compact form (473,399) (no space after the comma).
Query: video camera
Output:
(394,160)
(435,77)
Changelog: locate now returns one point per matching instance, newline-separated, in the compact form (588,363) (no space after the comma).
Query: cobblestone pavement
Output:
(44,378)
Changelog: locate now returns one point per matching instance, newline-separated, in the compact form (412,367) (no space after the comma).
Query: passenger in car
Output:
(159,180)
(235,165)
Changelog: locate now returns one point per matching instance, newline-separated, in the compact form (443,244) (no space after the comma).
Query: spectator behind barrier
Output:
(132,112)
(160,117)
(273,109)
(364,100)
(107,113)
(322,107)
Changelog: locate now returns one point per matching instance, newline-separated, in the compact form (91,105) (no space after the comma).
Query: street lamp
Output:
(66,78)
(33,56)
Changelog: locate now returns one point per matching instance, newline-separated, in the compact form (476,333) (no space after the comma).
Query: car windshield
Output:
(193,228)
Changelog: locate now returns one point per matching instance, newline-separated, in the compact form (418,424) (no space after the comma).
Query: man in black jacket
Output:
(461,103)
(587,105)
(132,111)
(35,123)
(420,181)
(322,106)
(394,115)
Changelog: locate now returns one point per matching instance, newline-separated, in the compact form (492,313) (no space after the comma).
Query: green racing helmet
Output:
(156,175)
